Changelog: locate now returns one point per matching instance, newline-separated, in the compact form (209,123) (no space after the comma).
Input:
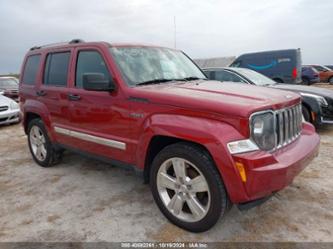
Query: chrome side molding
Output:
(91,138)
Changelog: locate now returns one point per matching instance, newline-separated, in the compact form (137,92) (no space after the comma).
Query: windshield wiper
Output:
(162,80)
(155,81)
(191,78)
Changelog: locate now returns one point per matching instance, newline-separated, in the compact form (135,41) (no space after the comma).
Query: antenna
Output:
(175,32)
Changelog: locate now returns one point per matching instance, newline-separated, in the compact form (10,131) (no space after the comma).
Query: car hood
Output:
(214,96)
(9,88)
(305,89)
(4,101)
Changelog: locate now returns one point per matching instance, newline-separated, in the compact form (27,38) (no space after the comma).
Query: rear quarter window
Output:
(31,69)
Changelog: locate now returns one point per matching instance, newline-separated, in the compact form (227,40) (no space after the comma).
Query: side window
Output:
(208,74)
(89,62)
(227,76)
(236,64)
(318,68)
(56,69)
(31,69)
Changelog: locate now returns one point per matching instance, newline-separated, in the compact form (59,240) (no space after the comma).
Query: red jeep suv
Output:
(200,144)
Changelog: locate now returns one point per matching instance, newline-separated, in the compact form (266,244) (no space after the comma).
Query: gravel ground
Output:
(86,200)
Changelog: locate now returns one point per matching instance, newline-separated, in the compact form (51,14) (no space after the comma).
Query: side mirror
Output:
(97,82)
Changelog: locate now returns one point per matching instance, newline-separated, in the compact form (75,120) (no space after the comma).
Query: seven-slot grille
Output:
(3,108)
(288,125)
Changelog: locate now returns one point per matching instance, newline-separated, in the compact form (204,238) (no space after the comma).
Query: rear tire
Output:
(192,205)
(330,80)
(41,148)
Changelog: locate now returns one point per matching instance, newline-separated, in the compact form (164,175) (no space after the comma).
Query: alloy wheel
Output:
(183,189)
(38,143)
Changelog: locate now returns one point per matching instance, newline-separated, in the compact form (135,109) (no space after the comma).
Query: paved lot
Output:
(85,200)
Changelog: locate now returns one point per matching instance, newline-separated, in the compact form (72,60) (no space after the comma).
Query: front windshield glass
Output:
(327,68)
(148,64)
(8,83)
(257,78)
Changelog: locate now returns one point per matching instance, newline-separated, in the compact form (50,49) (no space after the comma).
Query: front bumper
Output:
(327,114)
(271,172)
(10,116)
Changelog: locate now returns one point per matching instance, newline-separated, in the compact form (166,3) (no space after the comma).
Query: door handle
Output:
(41,93)
(74,97)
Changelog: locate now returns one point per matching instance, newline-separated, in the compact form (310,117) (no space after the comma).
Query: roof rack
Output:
(74,41)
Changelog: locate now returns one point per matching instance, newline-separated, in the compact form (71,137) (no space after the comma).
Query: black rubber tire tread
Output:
(329,80)
(306,81)
(278,80)
(306,114)
(53,156)
(220,203)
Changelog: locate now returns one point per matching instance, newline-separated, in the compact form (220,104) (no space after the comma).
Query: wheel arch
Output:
(33,109)
(158,143)
(278,80)
(312,106)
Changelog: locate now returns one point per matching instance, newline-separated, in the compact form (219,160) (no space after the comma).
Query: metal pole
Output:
(175,38)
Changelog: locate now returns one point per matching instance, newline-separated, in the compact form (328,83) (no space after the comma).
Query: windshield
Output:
(257,78)
(327,68)
(141,65)
(319,68)
(8,83)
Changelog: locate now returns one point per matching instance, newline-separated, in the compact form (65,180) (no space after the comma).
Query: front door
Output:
(98,119)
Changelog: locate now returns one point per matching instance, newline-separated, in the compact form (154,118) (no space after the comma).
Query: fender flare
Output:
(36,107)
(211,134)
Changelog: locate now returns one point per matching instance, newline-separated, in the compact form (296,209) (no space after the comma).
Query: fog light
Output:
(241,170)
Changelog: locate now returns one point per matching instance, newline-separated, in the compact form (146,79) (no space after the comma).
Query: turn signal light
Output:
(241,169)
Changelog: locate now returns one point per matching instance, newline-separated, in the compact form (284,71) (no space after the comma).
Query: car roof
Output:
(79,42)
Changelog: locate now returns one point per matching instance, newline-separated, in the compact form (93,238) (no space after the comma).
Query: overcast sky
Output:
(205,28)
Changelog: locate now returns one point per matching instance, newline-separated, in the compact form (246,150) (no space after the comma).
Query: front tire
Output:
(306,114)
(187,187)
(306,81)
(41,148)
(278,80)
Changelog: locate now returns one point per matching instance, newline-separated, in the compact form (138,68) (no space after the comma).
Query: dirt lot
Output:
(85,200)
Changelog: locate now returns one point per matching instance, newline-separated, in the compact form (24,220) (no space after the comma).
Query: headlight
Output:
(321,100)
(14,105)
(263,130)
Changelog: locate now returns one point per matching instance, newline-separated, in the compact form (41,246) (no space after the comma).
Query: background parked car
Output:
(317,103)
(325,74)
(9,85)
(329,66)
(310,75)
(9,111)
(282,66)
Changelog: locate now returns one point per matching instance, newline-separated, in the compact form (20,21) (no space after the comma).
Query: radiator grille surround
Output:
(286,126)
(3,108)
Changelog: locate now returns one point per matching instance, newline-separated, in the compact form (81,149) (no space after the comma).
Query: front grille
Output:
(288,125)
(3,108)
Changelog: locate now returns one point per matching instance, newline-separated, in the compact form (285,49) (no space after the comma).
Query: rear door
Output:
(53,89)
